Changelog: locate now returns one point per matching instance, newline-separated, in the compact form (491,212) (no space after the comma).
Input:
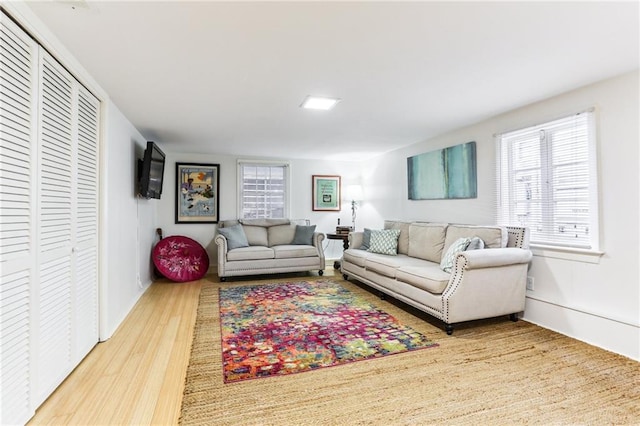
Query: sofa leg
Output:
(382,296)
(449,329)
(513,317)
(223,279)
(320,272)
(345,277)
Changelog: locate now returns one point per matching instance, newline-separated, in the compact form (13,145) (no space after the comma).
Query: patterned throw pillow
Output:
(449,257)
(384,241)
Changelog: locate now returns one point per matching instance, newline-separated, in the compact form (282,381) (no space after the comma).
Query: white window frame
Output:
(268,163)
(506,183)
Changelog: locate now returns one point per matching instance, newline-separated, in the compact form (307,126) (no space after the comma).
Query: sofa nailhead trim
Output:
(457,276)
(518,233)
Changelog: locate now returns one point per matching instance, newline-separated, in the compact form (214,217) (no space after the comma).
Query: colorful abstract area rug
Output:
(292,327)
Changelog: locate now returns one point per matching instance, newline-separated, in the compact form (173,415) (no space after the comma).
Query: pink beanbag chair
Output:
(180,258)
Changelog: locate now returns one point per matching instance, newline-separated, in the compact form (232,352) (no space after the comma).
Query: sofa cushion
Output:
(227,223)
(256,235)
(427,277)
(304,235)
(403,239)
(449,257)
(493,236)
(235,236)
(384,241)
(264,222)
(356,256)
(426,240)
(388,265)
(280,234)
(294,251)
(250,253)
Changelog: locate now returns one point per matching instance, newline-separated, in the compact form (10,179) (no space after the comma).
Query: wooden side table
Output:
(345,245)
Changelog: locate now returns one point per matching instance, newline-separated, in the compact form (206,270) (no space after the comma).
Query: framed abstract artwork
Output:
(197,193)
(443,174)
(326,193)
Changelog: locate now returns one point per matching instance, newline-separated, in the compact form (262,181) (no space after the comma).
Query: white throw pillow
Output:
(449,257)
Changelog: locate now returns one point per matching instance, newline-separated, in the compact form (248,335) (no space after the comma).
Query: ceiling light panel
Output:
(319,102)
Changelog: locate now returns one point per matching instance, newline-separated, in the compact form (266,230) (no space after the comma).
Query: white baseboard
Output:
(613,335)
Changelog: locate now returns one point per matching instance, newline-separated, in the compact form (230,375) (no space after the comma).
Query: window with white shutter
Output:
(263,190)
(547,182)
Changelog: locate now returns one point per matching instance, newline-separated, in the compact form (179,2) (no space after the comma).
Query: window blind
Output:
(264,189)
(546,181)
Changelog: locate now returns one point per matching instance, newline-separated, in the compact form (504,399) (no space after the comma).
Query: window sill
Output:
(567,253)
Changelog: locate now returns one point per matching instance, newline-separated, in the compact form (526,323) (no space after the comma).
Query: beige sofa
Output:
(482,283)
(270,246)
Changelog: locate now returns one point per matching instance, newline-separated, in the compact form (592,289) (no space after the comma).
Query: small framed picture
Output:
(197,193)
(326,193)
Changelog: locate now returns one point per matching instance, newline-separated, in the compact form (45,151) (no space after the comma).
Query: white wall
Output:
(595,302)
(301,172)
(128,223)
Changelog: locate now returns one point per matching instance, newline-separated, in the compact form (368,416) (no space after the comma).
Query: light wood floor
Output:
(137,376)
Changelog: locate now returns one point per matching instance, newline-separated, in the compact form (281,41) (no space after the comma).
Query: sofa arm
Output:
(355,239)
(490,258)
(486,283)
(221,242)
(317,243)
(317,239)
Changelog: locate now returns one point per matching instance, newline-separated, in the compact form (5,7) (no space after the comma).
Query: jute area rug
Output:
(487,372)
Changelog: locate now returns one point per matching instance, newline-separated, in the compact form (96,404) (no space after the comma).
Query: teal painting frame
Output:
(448,173)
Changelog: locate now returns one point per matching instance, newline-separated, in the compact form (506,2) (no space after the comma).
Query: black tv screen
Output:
(151,172)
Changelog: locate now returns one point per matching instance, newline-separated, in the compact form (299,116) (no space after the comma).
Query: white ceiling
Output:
(228,77)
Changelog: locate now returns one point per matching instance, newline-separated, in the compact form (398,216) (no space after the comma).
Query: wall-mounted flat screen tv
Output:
(151,172)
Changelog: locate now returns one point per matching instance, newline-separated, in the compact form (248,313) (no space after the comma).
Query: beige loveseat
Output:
(482,283)
(267,246)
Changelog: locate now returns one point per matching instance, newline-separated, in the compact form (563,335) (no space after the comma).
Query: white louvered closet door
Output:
(49,133)
(67,225)
(18,86)
(86,243)
(55,223)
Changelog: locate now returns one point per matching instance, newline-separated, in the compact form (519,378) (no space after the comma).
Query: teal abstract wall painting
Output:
(444,173)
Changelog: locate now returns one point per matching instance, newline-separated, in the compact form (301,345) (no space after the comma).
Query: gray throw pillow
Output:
(304,235)
(476,244)
(366,239)
(235,236)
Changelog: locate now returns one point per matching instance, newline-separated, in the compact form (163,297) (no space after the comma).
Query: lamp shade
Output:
(353,192)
